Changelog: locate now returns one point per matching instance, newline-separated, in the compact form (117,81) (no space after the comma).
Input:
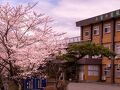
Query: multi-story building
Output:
(105,30)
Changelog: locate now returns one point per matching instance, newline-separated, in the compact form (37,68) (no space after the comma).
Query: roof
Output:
(90,61)
(99,18)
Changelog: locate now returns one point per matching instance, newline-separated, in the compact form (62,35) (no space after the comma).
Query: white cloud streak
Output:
(67,12)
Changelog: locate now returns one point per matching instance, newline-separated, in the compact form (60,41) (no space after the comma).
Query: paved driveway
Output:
(91,86)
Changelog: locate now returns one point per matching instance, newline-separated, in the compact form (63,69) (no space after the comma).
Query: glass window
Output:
(107,46)
(117,72)
(76,39)
(93,70)
(107,71)
(117,50)
(107,28)
(96,30)
(86,33)
(118,26)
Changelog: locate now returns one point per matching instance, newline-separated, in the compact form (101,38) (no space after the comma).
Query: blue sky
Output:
(66,12)
(54,2)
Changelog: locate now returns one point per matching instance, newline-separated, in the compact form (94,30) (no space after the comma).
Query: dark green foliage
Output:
(78,50)
(69,57)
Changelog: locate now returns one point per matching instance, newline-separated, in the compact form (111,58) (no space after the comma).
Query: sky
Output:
(66,12)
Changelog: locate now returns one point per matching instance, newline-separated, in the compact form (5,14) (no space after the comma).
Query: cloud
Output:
(66,12)
(84,8)
(69,11)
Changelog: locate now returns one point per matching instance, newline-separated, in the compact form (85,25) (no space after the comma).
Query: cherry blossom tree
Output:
(26,38)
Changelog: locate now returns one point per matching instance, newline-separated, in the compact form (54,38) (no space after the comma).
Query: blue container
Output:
(43,84)
(27,84)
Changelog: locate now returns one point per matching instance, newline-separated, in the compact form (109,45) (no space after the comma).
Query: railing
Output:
(72,40)
(65,42)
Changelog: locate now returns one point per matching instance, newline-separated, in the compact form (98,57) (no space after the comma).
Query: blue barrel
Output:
(27,84)
(36,83)
(43,82)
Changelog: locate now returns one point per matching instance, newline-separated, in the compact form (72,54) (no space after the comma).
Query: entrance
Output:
(81,76)
(81,73)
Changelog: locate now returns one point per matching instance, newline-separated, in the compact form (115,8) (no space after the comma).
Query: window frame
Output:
(107,72)
(87,32)
(117,47)
(117,23)
(96,28)
(107,46)
(108,26)
(93,70)
(117,71)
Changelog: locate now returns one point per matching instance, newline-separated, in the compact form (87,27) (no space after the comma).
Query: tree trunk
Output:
(11,69)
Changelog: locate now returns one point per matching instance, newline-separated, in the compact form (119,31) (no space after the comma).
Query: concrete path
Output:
(91,86)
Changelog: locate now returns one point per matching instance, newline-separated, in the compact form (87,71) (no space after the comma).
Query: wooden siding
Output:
(85,29)
(102,38)
(117,33)
(106,61)
(117,37)
(107,36)
(96,38)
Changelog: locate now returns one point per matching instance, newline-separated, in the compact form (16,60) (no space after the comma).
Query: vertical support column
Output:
(91,32)
(81,33)
(101,33)
(113,35)
(101,42)
(113,49)
(91,35)
(112,70)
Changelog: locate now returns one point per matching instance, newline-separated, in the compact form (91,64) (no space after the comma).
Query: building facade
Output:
(105,30)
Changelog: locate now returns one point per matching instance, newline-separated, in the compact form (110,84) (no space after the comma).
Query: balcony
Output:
(75,40)
(72,40)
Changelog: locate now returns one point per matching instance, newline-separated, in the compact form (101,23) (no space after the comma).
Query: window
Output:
(107,71)
(76,39)
(96,30)
(107,46)
(117,49)
(93,70)
(118,26)
(107,28)
(117,72)
(86,33)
